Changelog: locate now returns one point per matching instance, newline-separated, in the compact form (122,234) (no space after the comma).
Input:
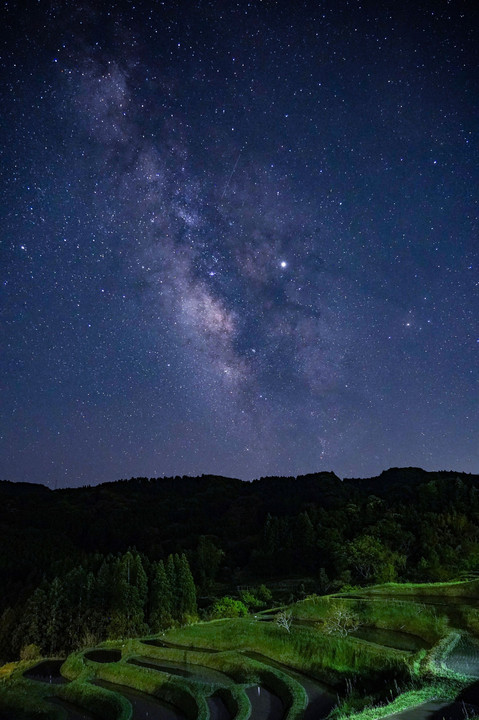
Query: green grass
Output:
(28,698)
(338,660)
(439,684)
(98,701)
(455,588)
(325,656)
(24,700)
(187,696)
(397,615)
(238,669)
(437,691)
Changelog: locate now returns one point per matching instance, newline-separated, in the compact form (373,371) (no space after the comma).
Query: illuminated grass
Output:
(29,698)
(310,651)
(389,614)
(432,692)
(307,649)
(454,588)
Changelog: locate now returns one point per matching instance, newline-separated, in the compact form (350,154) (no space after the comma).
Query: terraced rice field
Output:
(161,680)
(321,698)
(242,669)
(144,706)
(438,711)
(264,704)
(47,671)
(73,712)
(464,658)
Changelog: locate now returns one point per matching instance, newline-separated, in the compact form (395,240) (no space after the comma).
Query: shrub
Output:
(264,594)
(251,601)
(30,652)
(228,607)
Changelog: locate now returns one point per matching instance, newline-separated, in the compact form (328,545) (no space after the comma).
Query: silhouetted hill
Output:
(399,480)
(426,524)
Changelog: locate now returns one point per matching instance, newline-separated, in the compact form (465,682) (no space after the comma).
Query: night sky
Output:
(238,238)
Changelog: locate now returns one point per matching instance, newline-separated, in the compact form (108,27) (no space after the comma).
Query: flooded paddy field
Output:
(188,670)
(73,712)
(47,671)
(145,707)
(217,708)
(264,705)
(391,638)
(103,656)
(321,697)
(163,643)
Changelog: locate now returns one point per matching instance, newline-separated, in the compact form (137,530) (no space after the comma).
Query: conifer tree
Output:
(160,599)
(186,590)
(171,576)
(208,559)
(139,581)
(55,627)
(32,627)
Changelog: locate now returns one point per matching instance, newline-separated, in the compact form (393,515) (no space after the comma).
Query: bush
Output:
(30,652)
(228,607)
(251,601)
(264,594)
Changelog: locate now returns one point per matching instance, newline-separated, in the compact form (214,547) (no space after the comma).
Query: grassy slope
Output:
(27,698)
(459,588)
(409,617)
(242,671)
(307,650)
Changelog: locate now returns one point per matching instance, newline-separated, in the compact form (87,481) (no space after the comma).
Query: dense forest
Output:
(135,556)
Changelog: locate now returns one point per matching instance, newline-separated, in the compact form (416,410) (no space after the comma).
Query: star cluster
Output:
(238,238)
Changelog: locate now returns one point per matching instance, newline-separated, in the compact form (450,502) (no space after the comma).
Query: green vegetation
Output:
(305,549)
(100,702)
(25,699)
(228,607)
(120,599)
(372,680)
(151,549)
(236,701)
(456,588)
(406,700)
(415,618)
(325,656)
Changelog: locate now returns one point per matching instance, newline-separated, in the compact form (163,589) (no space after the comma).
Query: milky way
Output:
(238,239)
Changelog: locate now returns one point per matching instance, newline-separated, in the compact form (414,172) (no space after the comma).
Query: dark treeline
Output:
(65,553)
(121,596)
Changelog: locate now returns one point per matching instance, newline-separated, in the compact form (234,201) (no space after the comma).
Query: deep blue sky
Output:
(238,238)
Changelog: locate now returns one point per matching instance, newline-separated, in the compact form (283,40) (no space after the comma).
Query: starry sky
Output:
(238,238)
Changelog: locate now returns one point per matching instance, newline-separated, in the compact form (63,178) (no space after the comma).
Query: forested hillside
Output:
(105,550)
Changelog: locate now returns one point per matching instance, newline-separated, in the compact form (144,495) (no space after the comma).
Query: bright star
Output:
(283,264)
